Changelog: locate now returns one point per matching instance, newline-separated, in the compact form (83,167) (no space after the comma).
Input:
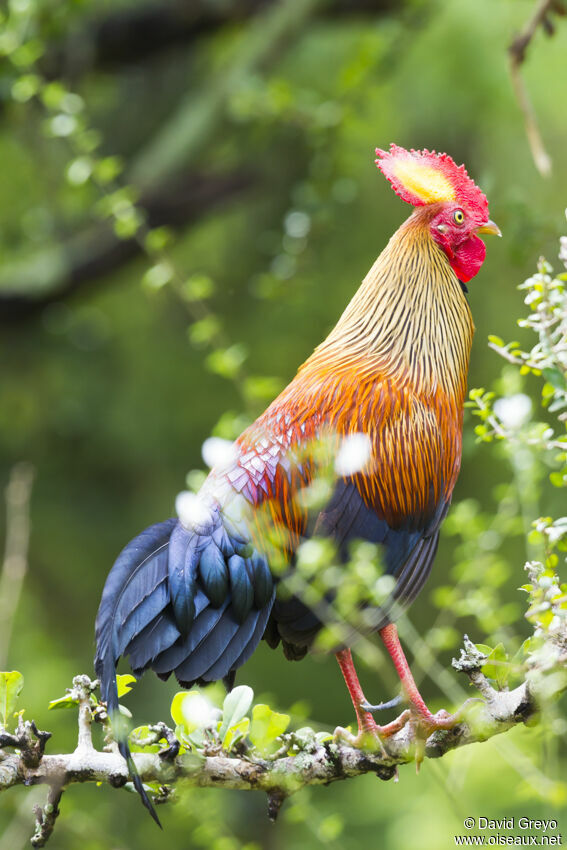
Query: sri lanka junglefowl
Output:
(194,596)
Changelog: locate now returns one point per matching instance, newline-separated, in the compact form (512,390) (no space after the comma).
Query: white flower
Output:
(218,452)
(353,454)
(514,411)
(192,510)
(198,712)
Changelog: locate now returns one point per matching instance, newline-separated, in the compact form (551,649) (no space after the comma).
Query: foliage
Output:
(11,685)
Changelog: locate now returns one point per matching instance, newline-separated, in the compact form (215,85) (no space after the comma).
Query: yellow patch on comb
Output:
(422,180)
(426,177)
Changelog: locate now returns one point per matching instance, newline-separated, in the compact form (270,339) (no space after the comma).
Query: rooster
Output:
(194,596)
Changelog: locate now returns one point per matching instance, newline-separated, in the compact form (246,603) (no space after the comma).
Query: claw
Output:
(382,706)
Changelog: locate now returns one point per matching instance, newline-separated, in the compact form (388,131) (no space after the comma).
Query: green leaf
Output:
(176,708)
(142,740)
(235,706)
(196,740)
(235,733)
(497,666)
(330,828)
(158,275)
(202,332)
(108,169)
(558,479)
(556,378)
(191,711)
(266,726)
(124,682)
(226,362)
(63,702)
(324,736)
(157,239)
(198,287)
(11,685)
(187,741)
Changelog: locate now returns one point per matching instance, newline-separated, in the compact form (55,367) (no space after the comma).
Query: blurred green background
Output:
(248,130)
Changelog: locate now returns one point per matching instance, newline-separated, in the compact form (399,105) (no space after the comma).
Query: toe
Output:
(382,706)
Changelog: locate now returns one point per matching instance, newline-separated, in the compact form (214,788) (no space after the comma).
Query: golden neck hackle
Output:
(409,319)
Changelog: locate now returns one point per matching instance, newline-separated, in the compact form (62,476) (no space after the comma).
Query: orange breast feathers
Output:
(413,444)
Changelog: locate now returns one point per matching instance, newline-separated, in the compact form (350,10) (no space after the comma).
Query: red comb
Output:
(425,177)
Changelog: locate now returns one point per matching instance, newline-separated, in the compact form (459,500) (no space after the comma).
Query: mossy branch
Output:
(300,760)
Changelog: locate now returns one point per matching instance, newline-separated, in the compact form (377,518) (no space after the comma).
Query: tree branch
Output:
(327,762)
(27,287)
(517,54)
(15,564)
(140,32)
(312,762)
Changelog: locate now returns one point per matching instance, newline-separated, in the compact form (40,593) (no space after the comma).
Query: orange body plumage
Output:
(394,368)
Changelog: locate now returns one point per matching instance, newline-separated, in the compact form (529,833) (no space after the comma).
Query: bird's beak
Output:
(489,227)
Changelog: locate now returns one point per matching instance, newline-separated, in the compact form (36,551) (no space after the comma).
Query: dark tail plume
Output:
(190,602)
(133,595)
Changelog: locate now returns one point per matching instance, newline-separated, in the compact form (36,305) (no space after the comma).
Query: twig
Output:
(81,693)
(517,54)
(45,817)
(15,564)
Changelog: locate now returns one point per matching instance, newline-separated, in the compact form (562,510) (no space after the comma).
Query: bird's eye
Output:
(459,217)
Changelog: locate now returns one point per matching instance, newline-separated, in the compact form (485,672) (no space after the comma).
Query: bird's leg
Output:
(427,721)
(366,723)
(368,730)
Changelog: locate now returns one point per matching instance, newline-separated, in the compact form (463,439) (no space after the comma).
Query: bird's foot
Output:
(420,715)
(424,724)
(370,735)
(366,739)
(430,723)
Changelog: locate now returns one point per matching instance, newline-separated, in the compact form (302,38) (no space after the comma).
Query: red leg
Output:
(367,726)
(389,635)
(442,720)
(366,722)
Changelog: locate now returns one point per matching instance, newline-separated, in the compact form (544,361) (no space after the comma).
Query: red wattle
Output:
(468,258)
